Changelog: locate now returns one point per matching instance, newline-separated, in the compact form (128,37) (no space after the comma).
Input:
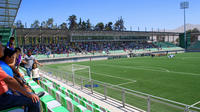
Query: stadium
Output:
(99,70)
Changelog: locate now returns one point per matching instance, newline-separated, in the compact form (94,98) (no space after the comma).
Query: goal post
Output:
(82,70)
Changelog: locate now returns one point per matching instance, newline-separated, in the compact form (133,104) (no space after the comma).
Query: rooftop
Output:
(8,12)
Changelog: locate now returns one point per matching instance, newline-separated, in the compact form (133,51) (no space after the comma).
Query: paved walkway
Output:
(110,103)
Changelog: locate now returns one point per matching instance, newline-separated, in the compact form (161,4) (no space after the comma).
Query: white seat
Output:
(70,106)
(34,87)
(53,104)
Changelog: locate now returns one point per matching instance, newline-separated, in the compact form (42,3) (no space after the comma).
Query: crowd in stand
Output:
(14,91)
(85,47)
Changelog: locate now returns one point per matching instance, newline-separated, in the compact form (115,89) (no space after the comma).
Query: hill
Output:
(188,26)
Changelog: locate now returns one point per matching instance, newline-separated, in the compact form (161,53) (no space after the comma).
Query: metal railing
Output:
(127,97)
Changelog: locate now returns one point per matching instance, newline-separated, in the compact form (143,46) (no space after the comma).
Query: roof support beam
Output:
(8,8)
(7,16)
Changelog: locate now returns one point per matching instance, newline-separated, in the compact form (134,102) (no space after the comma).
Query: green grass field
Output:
(176,79)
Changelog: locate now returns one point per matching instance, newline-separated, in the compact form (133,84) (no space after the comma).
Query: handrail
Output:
(139,94)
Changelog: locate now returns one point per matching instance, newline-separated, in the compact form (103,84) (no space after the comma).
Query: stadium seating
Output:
(49,103)
(72,101)
(117,51)
(101,48)
(195,45)
(164,44)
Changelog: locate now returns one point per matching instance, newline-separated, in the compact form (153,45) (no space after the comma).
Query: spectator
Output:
(10,43)
(9,100)
(18,57)
(18,76)
(35,73)
(11,46)
(29,59)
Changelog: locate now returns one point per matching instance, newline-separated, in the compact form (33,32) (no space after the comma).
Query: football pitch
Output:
(176,79)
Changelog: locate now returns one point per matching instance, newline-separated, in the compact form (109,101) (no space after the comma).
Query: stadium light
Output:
(184,5)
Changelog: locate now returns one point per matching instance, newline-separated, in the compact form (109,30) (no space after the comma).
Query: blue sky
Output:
(143,13)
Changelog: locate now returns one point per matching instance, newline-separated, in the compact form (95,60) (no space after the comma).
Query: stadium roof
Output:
(8,12)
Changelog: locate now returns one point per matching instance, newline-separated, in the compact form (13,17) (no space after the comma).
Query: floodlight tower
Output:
(184,5)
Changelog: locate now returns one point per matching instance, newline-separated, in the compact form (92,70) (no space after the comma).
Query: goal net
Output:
(81,70)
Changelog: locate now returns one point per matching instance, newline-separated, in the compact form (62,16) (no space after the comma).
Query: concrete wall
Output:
(72,59)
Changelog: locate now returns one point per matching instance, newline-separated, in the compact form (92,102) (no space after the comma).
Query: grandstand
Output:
(66,43)
(69,89)
(195,45)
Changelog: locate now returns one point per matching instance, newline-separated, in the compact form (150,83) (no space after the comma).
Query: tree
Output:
(43,24)
(119,25)
(50,23)
(63,25)
(108,27)
(36,24)
(88,25)
(194,30)
(80,24)
(194,38)
(19,24)
(54,26)
(83,26)
(99,26)
(72,22)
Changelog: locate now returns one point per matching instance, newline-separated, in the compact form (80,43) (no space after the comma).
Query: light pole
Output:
(184,5)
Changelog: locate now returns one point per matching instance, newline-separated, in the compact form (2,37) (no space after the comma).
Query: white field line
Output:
(113,76)
(154,68)
(194,104)
(186,73)
(124,83)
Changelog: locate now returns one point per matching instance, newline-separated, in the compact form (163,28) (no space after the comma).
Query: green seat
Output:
(76,95)
(89,106)
(85,100)
(76,108)
(95,105)
(29,81)
(26,77)
(79,108)
(44,100)
(53,92)
(68,91)
(87,111)
(71,96)
(37,90)
(97,110)
(60,109)
(63,89)
(46,86)
(33,84)
(82,103)
(57,86)
(47,98)
(63,100)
